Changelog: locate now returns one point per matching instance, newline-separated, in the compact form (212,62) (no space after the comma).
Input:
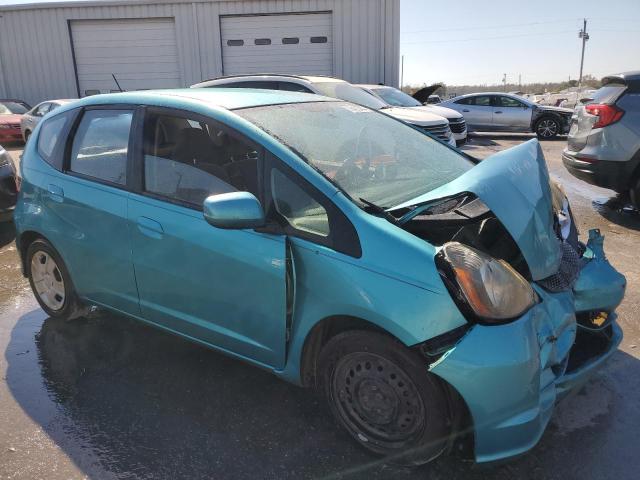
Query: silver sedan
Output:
(32,117)
(500,112)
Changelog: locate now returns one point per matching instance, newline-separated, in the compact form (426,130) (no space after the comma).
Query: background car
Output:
(11,112)
(336,88)
(496,112)
(603,147)
(8,192)
(31,118)
(397,98)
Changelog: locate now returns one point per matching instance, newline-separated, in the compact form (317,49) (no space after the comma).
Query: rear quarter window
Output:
(50,138)
(609,93)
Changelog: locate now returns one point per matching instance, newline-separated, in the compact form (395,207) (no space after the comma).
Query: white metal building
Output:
(72,49)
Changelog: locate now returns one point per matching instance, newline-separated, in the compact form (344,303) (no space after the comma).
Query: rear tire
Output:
(383,395)
(51,282)
(547,128)
(634,192)
(27,134)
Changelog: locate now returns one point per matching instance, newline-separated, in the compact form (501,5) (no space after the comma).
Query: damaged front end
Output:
(517,358)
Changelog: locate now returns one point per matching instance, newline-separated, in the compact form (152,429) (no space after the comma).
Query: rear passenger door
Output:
(87,205)
(477,111)
(511,114)
(222,287)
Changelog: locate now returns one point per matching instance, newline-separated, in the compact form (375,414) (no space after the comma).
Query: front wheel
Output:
(547,128)
(50,281)
(384,396)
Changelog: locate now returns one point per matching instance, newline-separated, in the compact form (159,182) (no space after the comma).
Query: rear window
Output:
(49,137)
(609,93)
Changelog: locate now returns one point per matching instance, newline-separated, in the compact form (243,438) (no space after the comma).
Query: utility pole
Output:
(584,36)
(520,81)
(402,72)
(504,82)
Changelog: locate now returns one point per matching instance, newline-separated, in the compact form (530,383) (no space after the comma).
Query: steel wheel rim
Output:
(547,128)
(378,402)
(47,280)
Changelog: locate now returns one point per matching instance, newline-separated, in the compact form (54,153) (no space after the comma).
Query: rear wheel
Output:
(385,397)
(27,134)
(634,192)
(547,128)
(50,281)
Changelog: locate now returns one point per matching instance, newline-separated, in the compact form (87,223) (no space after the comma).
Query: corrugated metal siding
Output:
(37,62)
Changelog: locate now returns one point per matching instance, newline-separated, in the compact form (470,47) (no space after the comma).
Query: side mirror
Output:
(234,210)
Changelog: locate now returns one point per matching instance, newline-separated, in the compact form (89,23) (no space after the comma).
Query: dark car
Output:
(11,112)
(8,190)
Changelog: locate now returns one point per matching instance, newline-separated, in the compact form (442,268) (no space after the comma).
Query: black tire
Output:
(71,307)
(547,128)
(383,395)
(634,192)
(27,134)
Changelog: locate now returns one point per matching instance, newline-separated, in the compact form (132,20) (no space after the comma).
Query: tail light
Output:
(607,114)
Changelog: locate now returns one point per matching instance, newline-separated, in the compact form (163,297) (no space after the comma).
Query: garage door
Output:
(294,43)
(141,54)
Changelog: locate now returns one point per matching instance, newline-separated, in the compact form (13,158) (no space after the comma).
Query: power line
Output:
(486,38)
(492,27)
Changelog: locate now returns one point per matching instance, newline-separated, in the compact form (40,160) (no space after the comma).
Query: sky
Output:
(477,42)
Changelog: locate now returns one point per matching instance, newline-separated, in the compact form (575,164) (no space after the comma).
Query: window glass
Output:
(465,101)
(42,109)
(13,108)
(235,43)
(346,91)
(319,39)
(50,134)
(101,144)
(262,41)
(396,97)
(297,206)
(290,41)
(293,87)
(609,93)
(509,102)
(482,101)
(187,160)
(252,84)
(368,155)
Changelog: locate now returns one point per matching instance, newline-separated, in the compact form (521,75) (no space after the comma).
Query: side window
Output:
(50,133)
(101,144)
(509,102)
(293,87)
(186,160)
(42,110)
(465,101)
(251,84)
(483,101)
(297,206)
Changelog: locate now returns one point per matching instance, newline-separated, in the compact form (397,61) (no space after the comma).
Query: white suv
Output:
(332,87)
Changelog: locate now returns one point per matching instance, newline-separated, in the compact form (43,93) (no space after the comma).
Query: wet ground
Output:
(110,398)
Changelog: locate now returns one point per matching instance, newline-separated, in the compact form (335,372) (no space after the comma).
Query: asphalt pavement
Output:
(109,398)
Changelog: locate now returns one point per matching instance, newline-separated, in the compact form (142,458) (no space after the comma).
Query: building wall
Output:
(36,60)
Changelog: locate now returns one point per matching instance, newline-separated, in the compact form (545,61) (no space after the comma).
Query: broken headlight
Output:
(490,287)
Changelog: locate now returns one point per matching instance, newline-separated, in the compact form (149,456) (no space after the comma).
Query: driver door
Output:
(225,288)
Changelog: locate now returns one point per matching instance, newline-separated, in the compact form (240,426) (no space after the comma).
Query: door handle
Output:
(150,228)
(465,110)
(499,111)
(55,193)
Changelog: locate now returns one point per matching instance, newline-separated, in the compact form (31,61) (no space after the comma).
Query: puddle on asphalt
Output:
(618,211)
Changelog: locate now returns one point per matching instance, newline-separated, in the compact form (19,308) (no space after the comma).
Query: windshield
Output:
(346,91)
(12,108)
(396,97)
(369,155)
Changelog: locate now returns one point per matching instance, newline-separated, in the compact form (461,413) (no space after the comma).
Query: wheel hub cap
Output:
(48,281)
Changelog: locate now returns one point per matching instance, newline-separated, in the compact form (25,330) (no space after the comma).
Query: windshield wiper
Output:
(372,208)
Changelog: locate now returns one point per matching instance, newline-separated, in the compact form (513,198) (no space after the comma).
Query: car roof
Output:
(267,76)
(227,98)
(371,86)
(632,76)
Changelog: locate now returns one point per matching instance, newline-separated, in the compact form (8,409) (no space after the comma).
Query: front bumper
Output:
(511,375)
(10,135)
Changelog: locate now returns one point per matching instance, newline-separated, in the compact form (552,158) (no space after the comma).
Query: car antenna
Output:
(118,84)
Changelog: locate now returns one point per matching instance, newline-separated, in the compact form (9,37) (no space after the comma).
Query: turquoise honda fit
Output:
(434,300)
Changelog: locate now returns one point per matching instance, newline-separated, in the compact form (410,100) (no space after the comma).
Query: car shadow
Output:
(618,210)
(7,233)
(126,400)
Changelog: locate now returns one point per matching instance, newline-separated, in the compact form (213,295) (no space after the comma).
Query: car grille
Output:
(457,125)
(442,131)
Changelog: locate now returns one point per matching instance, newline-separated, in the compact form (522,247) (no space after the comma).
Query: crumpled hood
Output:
(415,116)
(549,108)
(514,184)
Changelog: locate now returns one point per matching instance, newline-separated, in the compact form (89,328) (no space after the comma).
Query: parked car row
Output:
(18,119)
